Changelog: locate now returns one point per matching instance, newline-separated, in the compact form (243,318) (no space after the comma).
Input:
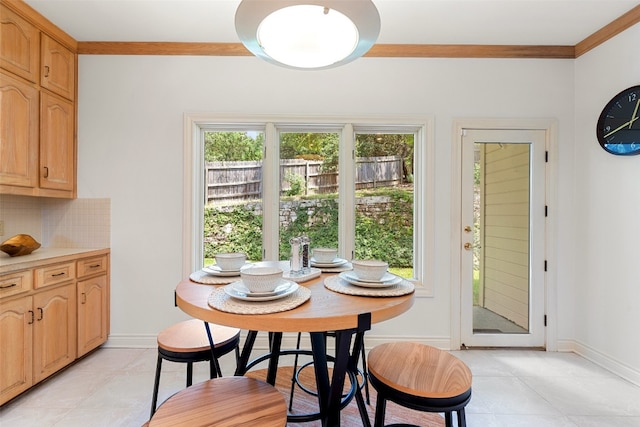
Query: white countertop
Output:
(44,256)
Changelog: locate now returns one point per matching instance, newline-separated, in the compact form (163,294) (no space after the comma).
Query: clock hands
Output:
(635,114)
(622,126)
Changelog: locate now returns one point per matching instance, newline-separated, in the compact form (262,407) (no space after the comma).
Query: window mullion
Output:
(346,197)
(271,193)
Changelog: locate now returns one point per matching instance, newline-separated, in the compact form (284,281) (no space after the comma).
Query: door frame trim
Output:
(550,126)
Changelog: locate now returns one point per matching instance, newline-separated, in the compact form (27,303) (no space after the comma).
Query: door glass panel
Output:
(384,200)
(308,189)
(233,194)
(501,238)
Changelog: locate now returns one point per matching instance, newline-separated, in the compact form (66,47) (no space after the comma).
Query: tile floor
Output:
(112,387)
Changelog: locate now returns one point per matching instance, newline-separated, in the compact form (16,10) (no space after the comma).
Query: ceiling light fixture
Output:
(308,34)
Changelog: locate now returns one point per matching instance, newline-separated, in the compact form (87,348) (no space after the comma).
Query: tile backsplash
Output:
(58,223)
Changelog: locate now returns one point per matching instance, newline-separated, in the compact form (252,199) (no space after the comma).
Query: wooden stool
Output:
(419,377)
(224,402)
(187,342)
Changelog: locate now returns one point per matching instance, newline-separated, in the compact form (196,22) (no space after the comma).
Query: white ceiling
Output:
(502,22)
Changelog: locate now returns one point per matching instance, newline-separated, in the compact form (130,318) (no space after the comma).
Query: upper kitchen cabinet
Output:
(57,150)
(38,114)
(58,68)
(20,106)
(19,45)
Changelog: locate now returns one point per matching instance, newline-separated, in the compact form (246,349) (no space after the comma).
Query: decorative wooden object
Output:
(20,244)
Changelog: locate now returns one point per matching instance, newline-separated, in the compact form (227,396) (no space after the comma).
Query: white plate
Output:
(217,271)
(386,277)
(241,288)
(234,293)
(350,278)
(337,262)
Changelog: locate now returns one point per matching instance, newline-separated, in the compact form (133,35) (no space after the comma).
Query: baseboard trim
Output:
(605,361)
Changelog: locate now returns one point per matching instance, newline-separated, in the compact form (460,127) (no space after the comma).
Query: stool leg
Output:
(462,420)
(447,419)
(212,369)
(381,406)
(214,360)
(189,374)
(156,384)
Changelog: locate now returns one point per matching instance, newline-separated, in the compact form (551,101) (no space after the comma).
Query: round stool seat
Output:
(190,337)
(224,402)
(420,377)
(188,342)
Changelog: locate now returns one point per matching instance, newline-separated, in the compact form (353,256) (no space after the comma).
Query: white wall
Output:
(606,289)
(131,137)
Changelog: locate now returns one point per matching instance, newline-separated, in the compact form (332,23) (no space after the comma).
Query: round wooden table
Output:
(325,311)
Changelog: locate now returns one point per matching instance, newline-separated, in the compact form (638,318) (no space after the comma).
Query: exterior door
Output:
(502,238)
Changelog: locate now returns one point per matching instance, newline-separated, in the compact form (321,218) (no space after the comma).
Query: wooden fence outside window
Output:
(242,180)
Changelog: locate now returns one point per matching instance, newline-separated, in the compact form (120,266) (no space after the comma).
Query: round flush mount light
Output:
(308,34)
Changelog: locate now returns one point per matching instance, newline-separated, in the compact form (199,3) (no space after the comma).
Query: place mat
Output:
(336,284)
(219,300)
(209,279)
(344,267)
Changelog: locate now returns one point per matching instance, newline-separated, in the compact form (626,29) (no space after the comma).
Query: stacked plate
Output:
(239,291)
(214,270)
(385,281)
(337,262)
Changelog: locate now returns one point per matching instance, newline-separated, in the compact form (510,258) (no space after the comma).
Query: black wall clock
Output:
(618,128)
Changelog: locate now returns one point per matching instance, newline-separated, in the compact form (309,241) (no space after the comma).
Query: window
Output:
(359,186)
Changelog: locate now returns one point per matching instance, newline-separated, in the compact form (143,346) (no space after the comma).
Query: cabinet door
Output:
(58,68)
(19,45)
(57,147)
(16,329)
(92,313)
(54,341)
(19,107)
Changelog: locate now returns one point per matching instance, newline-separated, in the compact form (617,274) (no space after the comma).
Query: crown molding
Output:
(605,33)
(377,51)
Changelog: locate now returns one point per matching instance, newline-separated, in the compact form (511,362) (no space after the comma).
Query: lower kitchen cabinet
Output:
(54,332)
(16,357)
(50,314)
(93,318)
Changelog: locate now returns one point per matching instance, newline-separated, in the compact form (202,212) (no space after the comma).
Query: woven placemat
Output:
(220,300)
(209,279)
(336,284)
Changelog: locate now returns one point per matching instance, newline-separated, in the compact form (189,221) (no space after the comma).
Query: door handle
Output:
(468,246)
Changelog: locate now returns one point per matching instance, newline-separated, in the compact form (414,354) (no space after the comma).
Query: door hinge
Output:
(546,157)
(545,320)
(545,265)
(546,210)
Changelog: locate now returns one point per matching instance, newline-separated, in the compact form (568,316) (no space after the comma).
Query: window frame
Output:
(195,125)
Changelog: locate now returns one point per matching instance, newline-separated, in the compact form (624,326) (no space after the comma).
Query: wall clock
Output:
(618,128)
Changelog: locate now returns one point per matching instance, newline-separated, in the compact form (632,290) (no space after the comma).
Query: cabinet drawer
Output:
(56,273)
(15,283)
(90,266)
